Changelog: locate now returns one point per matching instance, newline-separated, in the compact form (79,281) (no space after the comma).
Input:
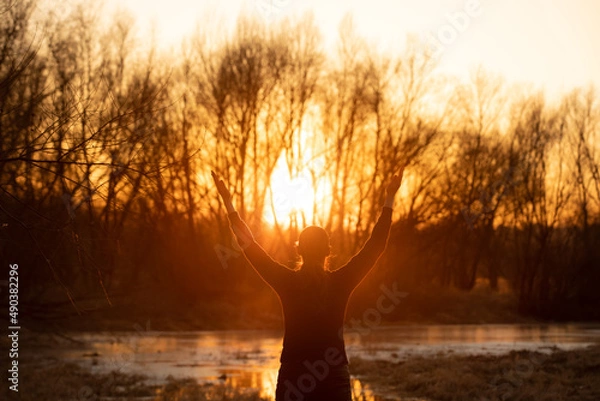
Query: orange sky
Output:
(550,43)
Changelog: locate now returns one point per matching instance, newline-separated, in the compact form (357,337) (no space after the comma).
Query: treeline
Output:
(106,145)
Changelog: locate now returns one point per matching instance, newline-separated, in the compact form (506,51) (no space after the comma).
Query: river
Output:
(249,359)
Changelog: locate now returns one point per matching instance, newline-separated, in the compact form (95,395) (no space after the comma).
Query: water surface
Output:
(250,359)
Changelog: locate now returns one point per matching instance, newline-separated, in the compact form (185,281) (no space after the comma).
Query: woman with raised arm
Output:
(314,365)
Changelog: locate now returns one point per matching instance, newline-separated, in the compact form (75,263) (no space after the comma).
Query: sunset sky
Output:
(550,43)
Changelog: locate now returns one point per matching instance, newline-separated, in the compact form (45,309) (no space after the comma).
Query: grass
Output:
(67,381)
(519,376)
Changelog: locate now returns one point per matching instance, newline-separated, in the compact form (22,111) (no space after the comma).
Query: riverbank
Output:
(548,375)
(58,381)
(519,376)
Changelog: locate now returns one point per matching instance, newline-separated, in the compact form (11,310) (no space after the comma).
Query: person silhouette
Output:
(313,363)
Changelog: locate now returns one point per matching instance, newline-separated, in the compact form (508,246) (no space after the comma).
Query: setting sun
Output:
(290,198)
(297,198)
(298,195)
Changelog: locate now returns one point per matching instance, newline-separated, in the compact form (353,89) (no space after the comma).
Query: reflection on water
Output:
(250,359)
(396,343)
(266,381)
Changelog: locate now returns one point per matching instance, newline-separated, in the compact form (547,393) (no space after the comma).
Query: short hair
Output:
(313,243)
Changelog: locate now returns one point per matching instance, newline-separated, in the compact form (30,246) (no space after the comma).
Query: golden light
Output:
(268,382)
(408,187)
(290,198)
(473,32)
(302,196)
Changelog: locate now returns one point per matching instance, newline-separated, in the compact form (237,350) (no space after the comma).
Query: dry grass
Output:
(67,381)
(518,376)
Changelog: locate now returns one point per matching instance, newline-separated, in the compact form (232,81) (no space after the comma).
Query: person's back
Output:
(313,358)
(314,364)
(313,310)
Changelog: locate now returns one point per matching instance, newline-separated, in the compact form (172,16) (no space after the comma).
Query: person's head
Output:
(313,245)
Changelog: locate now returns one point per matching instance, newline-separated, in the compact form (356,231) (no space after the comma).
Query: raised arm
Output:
(358,267)
(270,271)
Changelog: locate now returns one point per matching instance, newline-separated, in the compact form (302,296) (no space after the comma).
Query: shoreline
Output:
(171,326)
(558,375)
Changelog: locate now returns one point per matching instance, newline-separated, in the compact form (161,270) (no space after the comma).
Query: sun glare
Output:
(294,198)
(290,198)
